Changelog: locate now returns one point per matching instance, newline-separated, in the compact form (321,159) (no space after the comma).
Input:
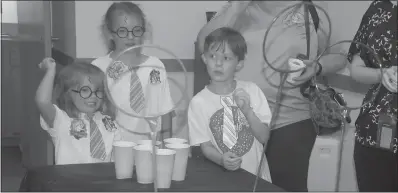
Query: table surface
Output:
(202,176)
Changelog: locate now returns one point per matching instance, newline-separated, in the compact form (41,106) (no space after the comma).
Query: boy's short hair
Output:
(227,35)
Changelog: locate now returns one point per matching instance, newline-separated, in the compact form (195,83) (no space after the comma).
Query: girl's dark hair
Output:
(126,7)
(72,75)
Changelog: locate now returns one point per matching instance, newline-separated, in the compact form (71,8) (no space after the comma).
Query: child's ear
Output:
(147,37)
(239,66)
(204,58)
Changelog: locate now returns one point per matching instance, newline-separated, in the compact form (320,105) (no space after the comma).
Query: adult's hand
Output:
(226,17)
(310,71)
(241,5)
(232,9)
(389,78)
(236,8)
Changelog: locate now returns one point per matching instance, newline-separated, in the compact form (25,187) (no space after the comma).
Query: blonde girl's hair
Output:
(71,76)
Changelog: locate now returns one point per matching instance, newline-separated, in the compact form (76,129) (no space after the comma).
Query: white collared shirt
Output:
(68,149)
(205,119)
(157,96)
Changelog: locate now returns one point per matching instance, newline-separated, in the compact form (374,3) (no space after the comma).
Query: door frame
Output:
(29,20)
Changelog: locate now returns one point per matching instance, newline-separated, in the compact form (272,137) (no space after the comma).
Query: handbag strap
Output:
(307,30)
(315,18)
(314,14)
(310,9)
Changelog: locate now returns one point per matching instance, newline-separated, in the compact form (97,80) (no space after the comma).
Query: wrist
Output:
(221,160)
(51,70)
(379,74)
(319,69)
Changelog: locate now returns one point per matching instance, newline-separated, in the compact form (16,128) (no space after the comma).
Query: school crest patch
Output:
(154,77)
(78,129)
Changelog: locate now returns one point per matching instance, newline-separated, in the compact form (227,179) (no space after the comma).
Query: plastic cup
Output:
(174,140)
(143,164)
(165,164)
(295,64)
(148,142)
(181,160)
(124,159)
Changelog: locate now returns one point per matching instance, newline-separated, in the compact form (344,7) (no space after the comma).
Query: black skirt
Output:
(376,169)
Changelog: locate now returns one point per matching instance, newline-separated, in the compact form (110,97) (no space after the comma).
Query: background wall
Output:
(346,17)
(175,23)
(9,12)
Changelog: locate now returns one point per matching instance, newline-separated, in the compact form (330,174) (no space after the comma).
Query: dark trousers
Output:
(376,169)
(288,154)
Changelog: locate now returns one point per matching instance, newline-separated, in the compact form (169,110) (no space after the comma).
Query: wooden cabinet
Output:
(24,45)
(11,97)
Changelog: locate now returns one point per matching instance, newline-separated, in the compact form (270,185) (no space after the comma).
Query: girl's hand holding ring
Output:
(47,63)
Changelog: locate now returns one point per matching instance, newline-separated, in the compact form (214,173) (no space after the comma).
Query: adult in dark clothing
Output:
(375,152)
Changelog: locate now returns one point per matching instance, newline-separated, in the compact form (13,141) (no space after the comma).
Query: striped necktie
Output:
(97,145)
(137,99)
(230,136)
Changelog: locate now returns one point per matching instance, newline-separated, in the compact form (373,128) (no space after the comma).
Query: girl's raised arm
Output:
(44,92)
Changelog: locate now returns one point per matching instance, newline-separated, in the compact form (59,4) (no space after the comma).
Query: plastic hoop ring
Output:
(183,90)
(376,57)
(273,22)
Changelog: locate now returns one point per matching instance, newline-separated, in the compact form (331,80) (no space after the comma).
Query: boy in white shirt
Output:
(229,118)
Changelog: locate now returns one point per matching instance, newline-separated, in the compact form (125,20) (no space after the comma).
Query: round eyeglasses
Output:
(86,92)
(123,32)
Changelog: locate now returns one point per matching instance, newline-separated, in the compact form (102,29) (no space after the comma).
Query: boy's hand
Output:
(230,161)
(242,99)
(47,64)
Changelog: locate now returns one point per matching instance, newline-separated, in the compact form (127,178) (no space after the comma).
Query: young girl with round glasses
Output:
(76,113)
(145,88)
